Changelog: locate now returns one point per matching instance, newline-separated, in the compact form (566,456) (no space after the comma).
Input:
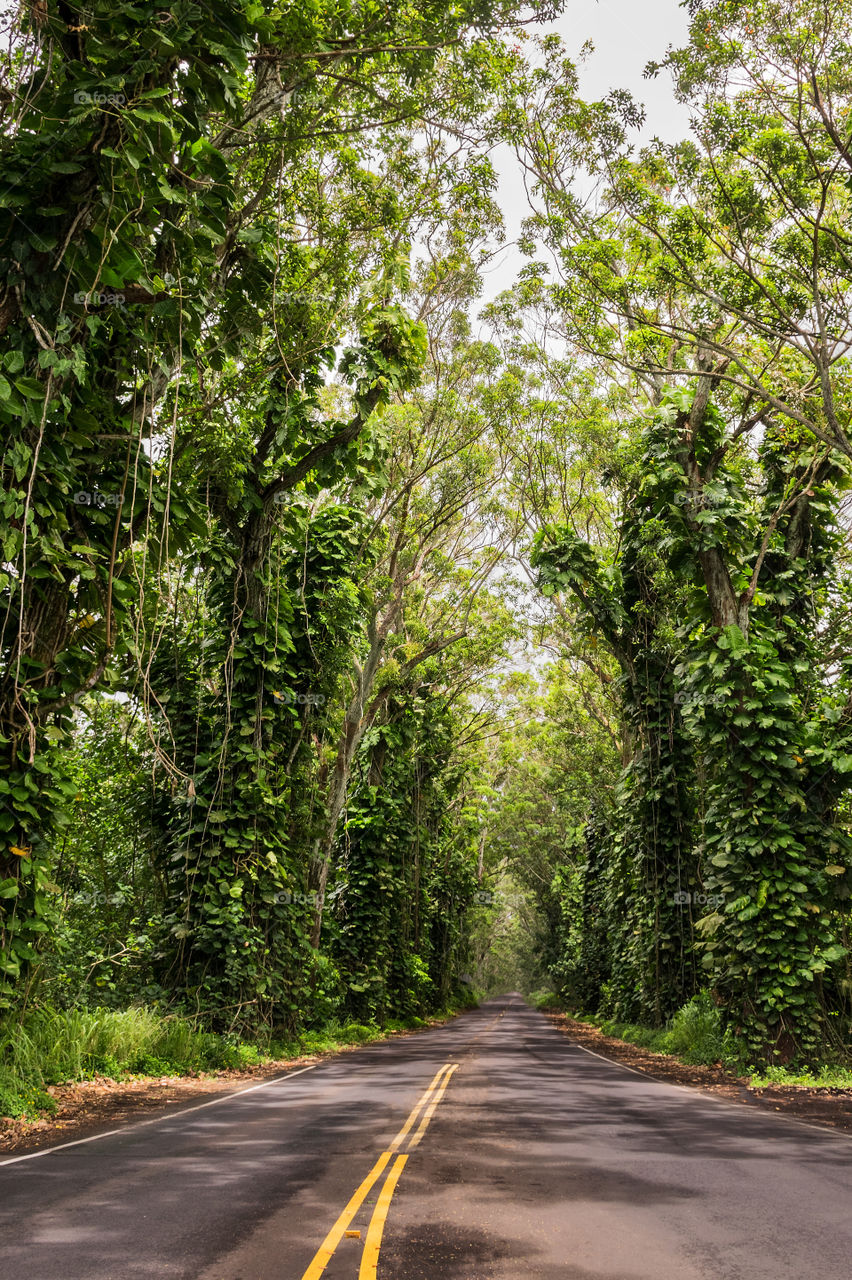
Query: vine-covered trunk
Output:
(769,937)
(649,873)
(404,880)
(752,677)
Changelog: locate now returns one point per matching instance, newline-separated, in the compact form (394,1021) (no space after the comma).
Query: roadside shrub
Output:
(358,1033)
(236,1057)
(642,1037)
(543,999)
(148,1064)
(53,1046)
(696,1035)
(21,1100)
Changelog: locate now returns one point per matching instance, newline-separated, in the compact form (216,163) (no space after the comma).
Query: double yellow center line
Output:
(426,1105)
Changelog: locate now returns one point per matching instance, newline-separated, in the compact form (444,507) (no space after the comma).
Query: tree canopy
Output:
(369,640)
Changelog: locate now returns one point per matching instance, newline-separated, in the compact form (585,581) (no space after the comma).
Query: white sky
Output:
(626,34)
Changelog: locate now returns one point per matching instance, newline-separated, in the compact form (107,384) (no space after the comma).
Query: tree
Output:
(719,273)
(146,160)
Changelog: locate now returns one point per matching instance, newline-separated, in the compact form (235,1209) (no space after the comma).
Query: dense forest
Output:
(372,640)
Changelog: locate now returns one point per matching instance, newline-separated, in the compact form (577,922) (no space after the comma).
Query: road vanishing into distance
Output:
(490,1147)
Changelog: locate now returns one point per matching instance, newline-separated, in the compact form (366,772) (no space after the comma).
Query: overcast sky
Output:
(626,34)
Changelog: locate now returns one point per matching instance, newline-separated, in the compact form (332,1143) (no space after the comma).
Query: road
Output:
(490,1148)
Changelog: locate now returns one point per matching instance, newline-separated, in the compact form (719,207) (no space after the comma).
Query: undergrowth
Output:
(694,1034)
(50,1046)
(827,1077)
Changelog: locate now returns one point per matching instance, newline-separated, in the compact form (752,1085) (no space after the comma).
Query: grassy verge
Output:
(827,1077)
(695,1037)
(50,1046)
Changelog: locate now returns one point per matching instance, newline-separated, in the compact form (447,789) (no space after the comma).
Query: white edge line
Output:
(725,1102)
(171,1115)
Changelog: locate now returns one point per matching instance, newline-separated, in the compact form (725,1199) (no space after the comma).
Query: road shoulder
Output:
(830,1108)
(86,1108)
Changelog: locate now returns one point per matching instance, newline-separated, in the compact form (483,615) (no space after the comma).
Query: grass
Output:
(50,1046)
(827,1077)
(543,1000)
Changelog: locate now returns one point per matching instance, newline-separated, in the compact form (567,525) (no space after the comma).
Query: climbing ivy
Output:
(758,689)
(650,863)
(149,158)
(734,683)
(405,874)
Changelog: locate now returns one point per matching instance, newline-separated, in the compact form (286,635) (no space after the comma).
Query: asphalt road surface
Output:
(491,1148)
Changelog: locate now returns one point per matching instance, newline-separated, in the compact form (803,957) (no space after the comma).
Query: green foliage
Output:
(650,966)
(403,883)
(48,1047)
(146,279)
(741,697)
(277,751)
(695,1034)
(705,281)
(826,1077)
(543,999)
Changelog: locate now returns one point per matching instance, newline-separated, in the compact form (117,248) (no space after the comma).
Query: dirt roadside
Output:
(93,1106)
(831,1108)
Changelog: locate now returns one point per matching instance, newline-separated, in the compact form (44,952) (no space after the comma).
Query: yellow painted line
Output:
(430,1111)
(370,1256)
(323,1255)
(420,1103)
